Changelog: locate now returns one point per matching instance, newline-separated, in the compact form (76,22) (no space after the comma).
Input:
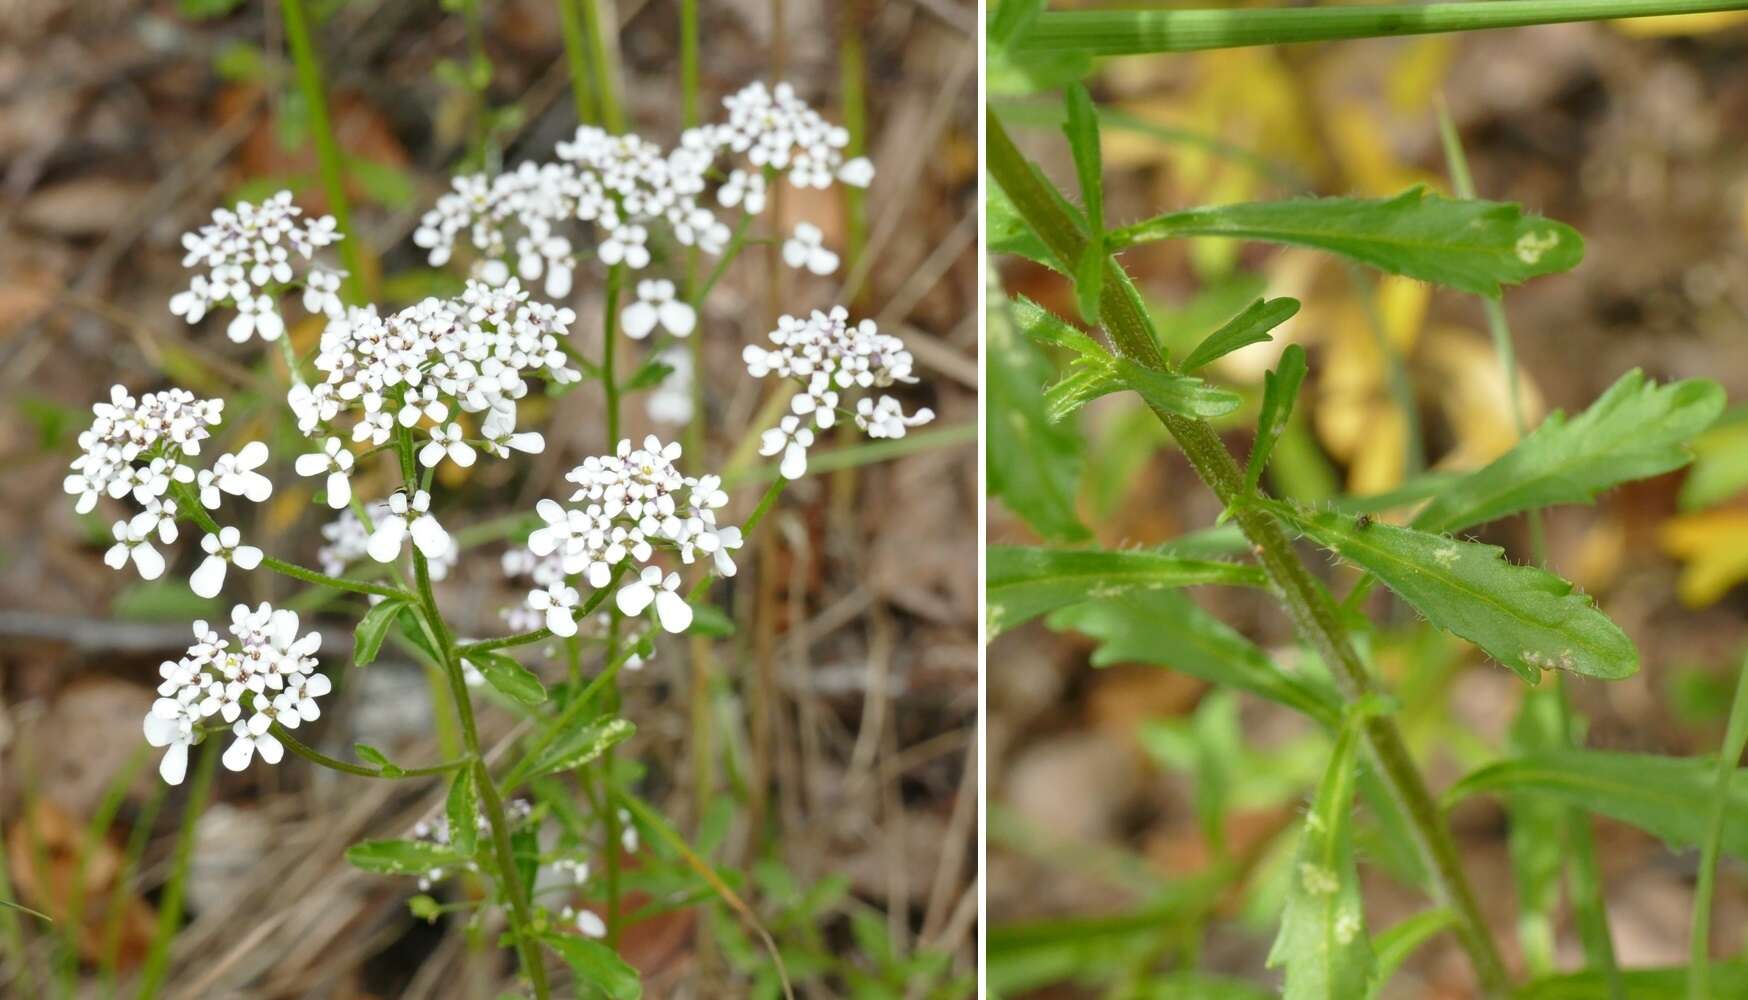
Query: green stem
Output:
(598,15)
(1699,966)
(1136,32)
(1312,611)
(610,337)
(315,756)
(521,916)
(688,63)
(729,253)
(331,162)
(187,502)
(576,51)
(157,965)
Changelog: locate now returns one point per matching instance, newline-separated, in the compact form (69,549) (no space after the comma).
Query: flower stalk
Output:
(330,161)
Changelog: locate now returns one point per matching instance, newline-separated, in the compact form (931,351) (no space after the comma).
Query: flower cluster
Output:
(248,256)
(264,673)
(633,504)
(828,356)
(627,186)
(140,449)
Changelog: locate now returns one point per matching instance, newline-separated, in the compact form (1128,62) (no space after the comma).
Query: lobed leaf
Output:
(1637,429)
(1280,390)
(598,969)
(1167,629)
(1473,246)
(1251,326)
(1668,797)
(1528,619)
(400,857)
(1023,583)
(1034,464)
(1322,939)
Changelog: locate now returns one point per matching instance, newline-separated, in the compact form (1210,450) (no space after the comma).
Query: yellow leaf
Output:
(1680,24)
(1714,546)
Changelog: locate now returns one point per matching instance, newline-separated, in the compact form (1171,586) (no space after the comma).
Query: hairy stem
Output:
(1312,611)
(329,159)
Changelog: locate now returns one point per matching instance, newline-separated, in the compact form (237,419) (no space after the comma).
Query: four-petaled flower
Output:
(222,549)
(446,441)
(404,516)
(337,462)
(792,438)
(655,305)
(255,315)
(806,249)
(135,545)
(651,586)
(559,604)
(236,475)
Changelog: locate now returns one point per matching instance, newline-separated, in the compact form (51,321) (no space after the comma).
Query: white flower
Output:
(170,724)
(656,304)
(137,546)
(337,462)
(744,187)
(255,315)
(805,249)
(192,304)
(222,549)
(502,437)
(625,245)
(671,401)
(321,293)
(297,703)
(235,474)
(158,516)
(559,604)
(446,441)
(627,833)
(672,610)
(885,418)
(393,526)
(252,739)
(590,924)
(858,172)
(791,438)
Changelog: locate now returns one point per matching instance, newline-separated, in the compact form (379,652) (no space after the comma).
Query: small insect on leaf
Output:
(1280,389)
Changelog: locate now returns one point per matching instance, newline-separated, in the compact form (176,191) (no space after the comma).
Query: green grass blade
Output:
(1137,32)
(1735,739)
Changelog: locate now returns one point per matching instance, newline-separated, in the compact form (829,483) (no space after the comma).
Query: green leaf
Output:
(1526,618)
(372,629)
(1393,946)
(1023,583)
(1636,430)
(371,755)
(463,813)
(511,679)
(1322,940)
(599,971)
(1010,19)
(1251,326)
(1668,797)
(1033,465)
(1167,629)
(408,624)
(582,745)
(400,857)
(710,621)
(1729,979)
(1473,246)
(1082,129)
(1089,279)
(1280,389)
(1184,395)
(648,375)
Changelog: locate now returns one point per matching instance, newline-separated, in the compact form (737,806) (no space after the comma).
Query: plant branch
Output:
(1312,611)
(315,756)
